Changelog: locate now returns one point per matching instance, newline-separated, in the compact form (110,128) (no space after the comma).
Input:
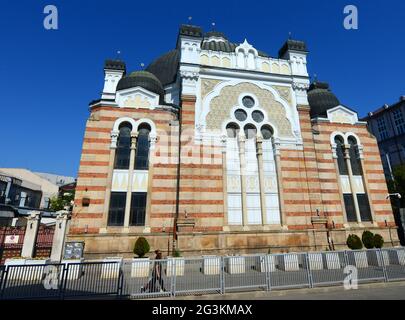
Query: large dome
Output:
(321,99)
(165,67)
(142,79)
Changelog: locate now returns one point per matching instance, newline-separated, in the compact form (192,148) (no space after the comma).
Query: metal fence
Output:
(144,278)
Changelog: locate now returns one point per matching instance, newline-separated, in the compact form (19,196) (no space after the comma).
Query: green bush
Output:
(354,242)
(368,239)
(378,241)
(141,247)
(176,253)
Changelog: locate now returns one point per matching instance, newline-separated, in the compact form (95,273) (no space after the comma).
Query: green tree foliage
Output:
(398,185)
(58,203)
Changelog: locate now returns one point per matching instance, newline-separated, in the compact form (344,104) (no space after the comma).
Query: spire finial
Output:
(315,77)
(118,54)
(142,65)
(289,35)
(212,26)
(190,18)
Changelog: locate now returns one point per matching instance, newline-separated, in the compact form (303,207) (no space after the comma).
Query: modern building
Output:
(22,191)
(388,125)
(218,147)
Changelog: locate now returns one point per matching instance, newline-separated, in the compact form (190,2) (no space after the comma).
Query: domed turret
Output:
(142,79)
(321,99)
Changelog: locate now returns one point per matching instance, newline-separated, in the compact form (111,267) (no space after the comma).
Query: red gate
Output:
(11,242)
(43,245)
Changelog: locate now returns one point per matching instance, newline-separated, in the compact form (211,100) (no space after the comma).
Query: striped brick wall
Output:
(201,188)
(94,163)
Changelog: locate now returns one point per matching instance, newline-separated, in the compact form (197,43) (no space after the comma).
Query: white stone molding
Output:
(137,97)
(114,139)
(341,114)
(189,77)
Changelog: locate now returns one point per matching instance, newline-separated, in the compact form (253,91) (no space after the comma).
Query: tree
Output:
(398,185)
(62,201)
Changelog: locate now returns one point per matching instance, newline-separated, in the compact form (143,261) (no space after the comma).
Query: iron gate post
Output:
(380,253)
(309,271)
(267,271)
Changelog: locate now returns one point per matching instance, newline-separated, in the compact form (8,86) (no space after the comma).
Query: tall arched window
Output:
(123,147)
(361,195)
(141,165)
(142,148)
(234,195)
(344,178)
(354,156)
(340,147)
(249,189)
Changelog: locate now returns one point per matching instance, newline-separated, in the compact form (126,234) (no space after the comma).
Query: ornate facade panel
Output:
(221,106)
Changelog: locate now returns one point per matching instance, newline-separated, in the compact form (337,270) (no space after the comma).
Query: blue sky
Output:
(49,77)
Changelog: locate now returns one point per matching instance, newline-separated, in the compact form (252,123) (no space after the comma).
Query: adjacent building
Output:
(22,191)
(219,147)
(388,126)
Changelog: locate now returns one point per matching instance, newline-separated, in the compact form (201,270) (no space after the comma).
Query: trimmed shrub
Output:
(176,253)
(354,242)
(378,241)
(368,239)
(141,247)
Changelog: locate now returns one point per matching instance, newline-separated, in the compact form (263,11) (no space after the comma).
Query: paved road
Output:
(374,291)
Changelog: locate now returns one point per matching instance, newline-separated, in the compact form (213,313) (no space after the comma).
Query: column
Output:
(31,233)
(283,217)
(130,177)
(59,236)
(242,158)
(110,173)
(342,202)
(224,182)
(152,143)
(351,181)
(259,152)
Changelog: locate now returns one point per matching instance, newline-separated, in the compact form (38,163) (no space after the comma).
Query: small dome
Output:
(321,99)
(142,79)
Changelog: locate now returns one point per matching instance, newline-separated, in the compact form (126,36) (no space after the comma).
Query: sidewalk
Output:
(371,291)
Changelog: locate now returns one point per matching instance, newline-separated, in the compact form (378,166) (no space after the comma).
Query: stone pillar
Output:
(130,178)
(351,181)
(224,182)
(242,158)
(152,143)
(277,157)
(107,196)
(342,202)
(59,236)
(31,233)
(259,152)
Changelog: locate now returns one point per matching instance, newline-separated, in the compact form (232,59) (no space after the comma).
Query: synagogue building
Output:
(217,147)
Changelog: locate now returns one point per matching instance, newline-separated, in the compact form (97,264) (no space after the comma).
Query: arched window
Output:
(123,147)
(340,145)
(142,148)
(354,157)
(361,195)
(245,183)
